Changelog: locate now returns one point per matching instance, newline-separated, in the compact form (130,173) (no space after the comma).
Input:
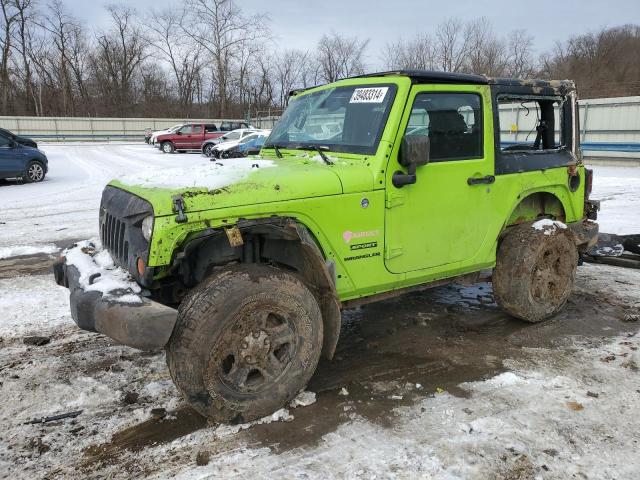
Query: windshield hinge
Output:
(178,207)
(394,199)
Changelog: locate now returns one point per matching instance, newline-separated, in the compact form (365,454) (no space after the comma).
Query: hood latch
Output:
(178,207)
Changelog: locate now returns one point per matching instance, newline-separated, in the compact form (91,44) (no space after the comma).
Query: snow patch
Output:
(304,399)
(17,250)
(281,415)
(98,273)
(208,175)
(505,379)
(548,226)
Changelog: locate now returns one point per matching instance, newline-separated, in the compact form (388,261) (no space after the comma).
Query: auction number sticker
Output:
(369,95)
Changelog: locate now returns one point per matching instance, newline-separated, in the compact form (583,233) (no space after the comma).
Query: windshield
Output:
(342,119)
(248,138)
(235,135)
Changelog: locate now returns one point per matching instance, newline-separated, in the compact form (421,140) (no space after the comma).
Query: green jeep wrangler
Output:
(368,187)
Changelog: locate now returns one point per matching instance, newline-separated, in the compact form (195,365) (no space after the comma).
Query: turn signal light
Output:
(141,267)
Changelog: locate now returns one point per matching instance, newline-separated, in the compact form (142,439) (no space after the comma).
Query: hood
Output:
(25,141)
(33,151)
(246,181)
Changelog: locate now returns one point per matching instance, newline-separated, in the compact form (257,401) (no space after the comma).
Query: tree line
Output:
(212,59)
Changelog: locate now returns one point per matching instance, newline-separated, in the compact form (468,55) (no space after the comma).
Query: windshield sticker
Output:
(369,95)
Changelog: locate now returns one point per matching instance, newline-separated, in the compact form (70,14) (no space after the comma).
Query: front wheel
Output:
(207,149)
(34,172)
(535,271)
(167,147)
(247,340)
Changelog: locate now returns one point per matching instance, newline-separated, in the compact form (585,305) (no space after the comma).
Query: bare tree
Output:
(339,56)
(292,70)
(224,31)
(452,45)
(62,56)
(418,52)
(605,63)
(118,56)
(9,18)
(25,15)
(174,47)
(520,53)
(486,54)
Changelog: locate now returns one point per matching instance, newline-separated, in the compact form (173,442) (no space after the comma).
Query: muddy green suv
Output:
(366,188)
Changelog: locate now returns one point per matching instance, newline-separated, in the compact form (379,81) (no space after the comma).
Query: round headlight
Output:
(147,227)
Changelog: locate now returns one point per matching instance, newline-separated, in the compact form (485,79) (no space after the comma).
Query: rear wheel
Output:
(34,172)
(246,342)
(535,271)
(167,147)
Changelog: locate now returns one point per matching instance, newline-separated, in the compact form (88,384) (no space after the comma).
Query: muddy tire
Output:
(167,147)
(535,271)
(247,340)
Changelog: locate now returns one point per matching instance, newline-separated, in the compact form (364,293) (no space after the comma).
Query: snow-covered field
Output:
(618,188)
(65,205)
(439,384)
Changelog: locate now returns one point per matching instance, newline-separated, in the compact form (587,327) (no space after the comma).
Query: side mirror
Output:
(414,153)
(178,132)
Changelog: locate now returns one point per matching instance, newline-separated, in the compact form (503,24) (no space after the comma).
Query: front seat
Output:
(446,133)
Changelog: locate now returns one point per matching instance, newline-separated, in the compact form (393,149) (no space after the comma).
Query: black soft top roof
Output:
(428,76)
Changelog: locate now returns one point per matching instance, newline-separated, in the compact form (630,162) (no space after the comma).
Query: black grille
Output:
(121,215)
(113,238)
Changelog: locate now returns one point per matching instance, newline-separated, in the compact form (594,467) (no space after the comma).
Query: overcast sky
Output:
(300,23)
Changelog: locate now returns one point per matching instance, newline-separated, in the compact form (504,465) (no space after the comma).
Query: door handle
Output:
(488,179)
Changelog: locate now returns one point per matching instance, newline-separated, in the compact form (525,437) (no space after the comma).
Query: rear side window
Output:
(453,123)
(530,124)
(4,141)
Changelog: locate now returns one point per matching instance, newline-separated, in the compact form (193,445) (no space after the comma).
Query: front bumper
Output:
(146,325)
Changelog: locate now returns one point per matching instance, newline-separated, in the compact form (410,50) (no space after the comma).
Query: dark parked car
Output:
(19,161)
(27,142)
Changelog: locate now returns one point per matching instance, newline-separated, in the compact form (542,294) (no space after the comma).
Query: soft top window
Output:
(529,124)
(452,121)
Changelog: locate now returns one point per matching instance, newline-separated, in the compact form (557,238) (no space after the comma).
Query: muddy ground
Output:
(391,354)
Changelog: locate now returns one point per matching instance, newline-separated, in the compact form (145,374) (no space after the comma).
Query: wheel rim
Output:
(207,150)
(35,172)
(255,351)
(551,276)
(167,148)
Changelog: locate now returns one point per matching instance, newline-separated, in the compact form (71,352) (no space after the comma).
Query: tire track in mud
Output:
(437,339)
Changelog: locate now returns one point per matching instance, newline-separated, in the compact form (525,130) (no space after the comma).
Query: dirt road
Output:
(396,359)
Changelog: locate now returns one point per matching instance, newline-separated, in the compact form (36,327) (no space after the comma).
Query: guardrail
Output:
(93,128)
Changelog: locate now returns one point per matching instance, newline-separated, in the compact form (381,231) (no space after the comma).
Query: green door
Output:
(442,220)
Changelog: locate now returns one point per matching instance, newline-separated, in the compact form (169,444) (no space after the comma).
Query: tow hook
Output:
(178,207)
